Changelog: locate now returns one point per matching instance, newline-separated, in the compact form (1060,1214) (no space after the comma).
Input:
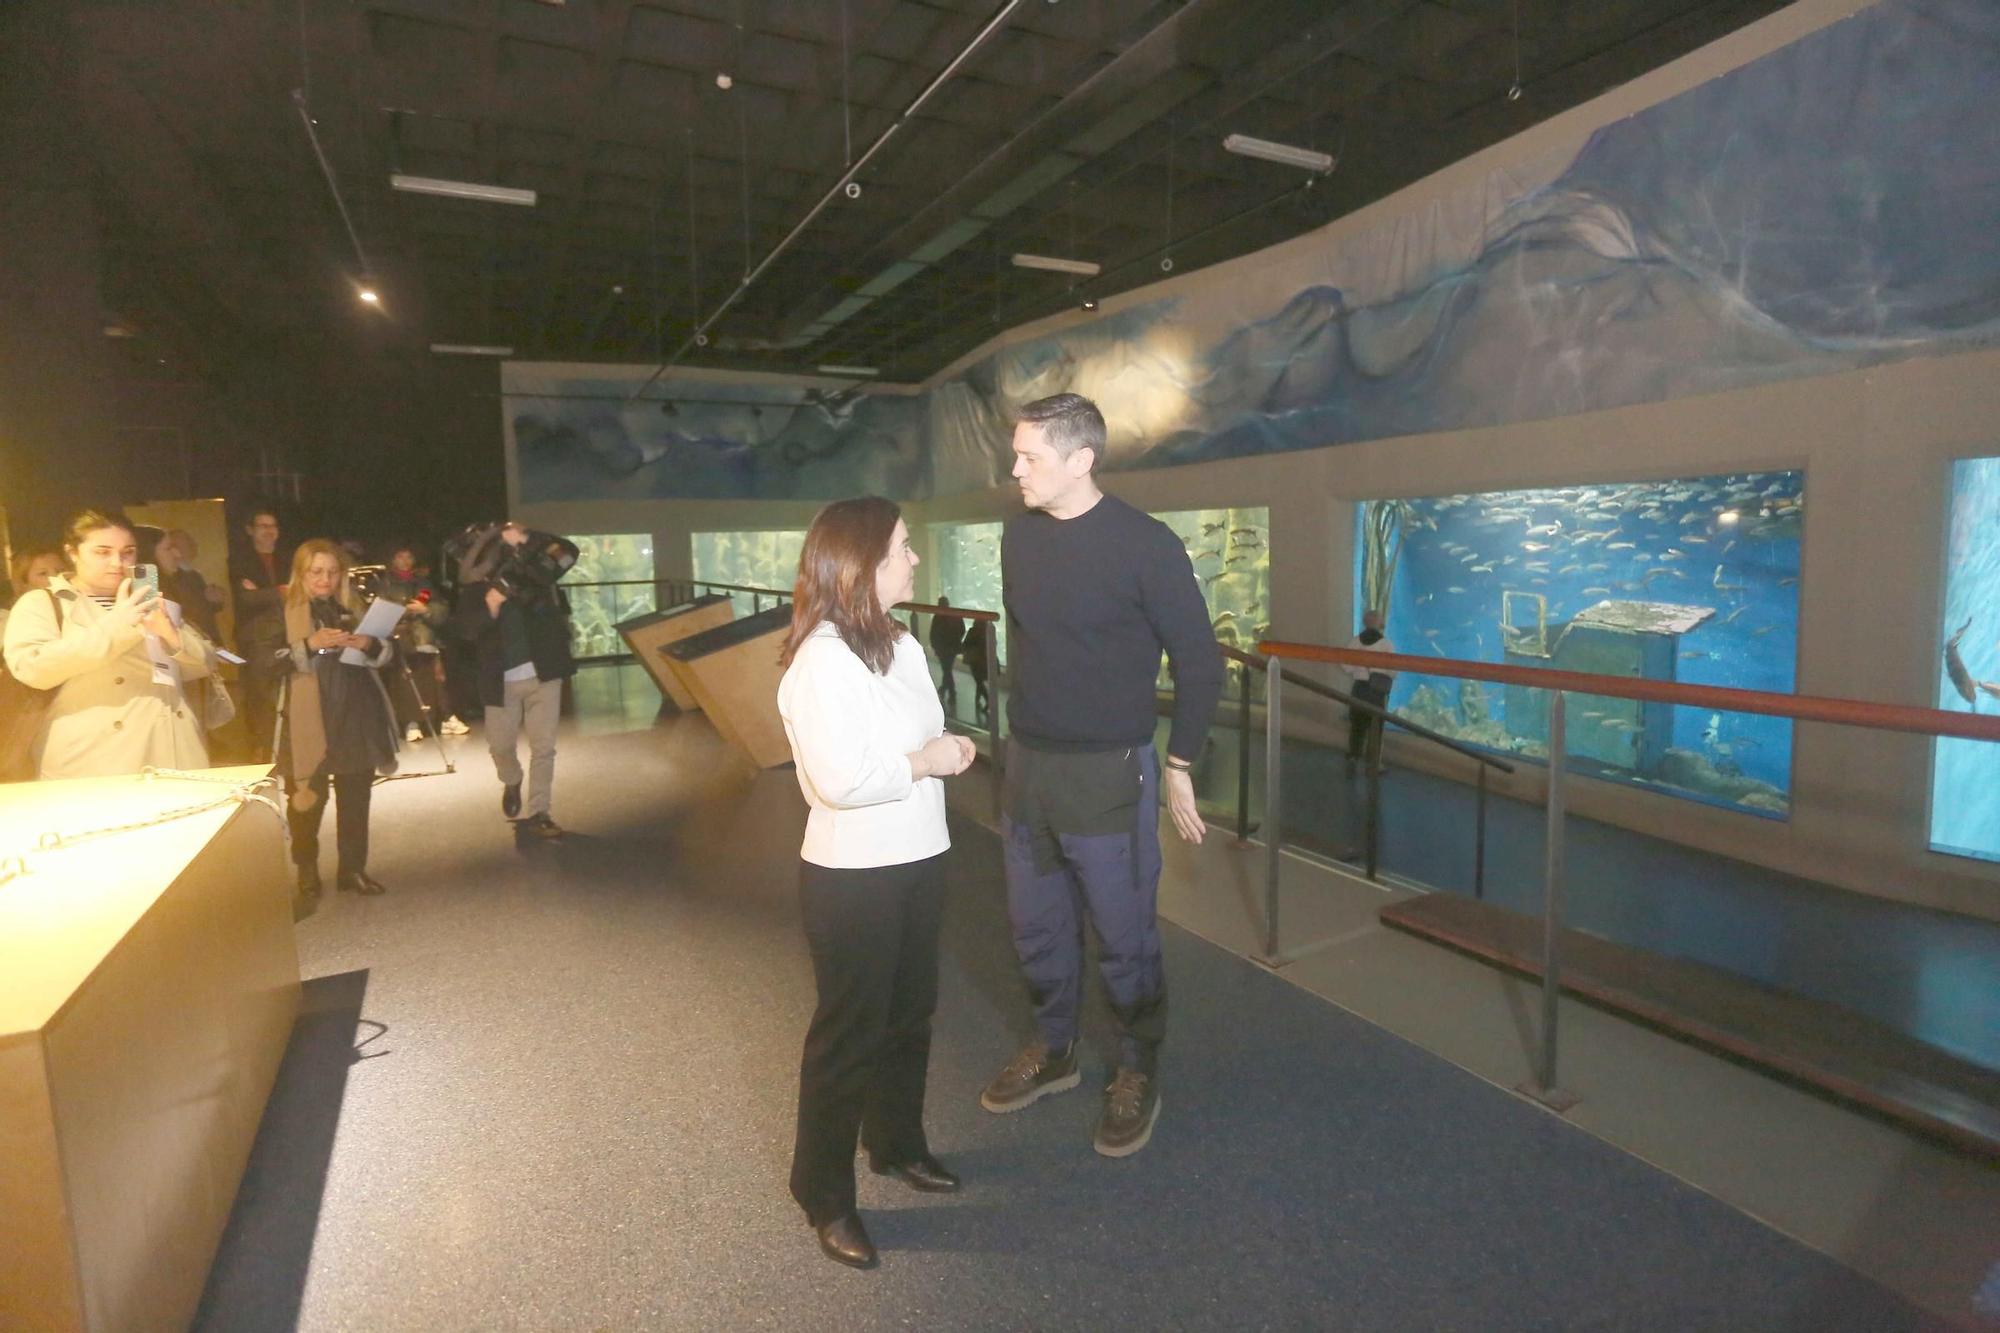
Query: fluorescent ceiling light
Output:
(470,349)
(1080,267)
(492,194)
(848,370)
(1282,153)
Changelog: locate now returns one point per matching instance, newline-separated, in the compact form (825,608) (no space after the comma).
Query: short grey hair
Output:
(1069,422)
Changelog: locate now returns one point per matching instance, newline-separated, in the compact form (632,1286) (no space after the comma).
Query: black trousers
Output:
(350,821)
(874,939)
(1364,730)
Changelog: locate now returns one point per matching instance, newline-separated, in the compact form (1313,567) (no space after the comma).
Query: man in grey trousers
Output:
(518,623)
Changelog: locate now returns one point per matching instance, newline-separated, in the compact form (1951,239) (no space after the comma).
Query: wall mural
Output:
(1833,205)
(1694,581)
(1965,775)
(581,437)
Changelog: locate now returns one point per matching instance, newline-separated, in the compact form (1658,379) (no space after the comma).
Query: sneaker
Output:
(510,800)
(1029,1077)
(413,733)
(542,826)
(1131,1106)
(452,726)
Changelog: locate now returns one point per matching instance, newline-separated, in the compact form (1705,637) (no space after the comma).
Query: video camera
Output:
(526,571)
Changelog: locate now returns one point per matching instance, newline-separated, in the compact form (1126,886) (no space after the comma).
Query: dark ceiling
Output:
(1084,128)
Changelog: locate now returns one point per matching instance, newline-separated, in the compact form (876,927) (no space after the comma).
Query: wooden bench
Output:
(1821,1045)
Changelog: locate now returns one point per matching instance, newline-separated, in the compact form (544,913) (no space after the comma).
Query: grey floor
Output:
(551,1087)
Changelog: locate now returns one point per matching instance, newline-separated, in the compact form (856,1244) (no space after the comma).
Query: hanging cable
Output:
(839,188)
(1514,93)
(846,104)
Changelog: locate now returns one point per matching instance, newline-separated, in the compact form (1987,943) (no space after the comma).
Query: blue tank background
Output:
(1965,775)
(1460,553)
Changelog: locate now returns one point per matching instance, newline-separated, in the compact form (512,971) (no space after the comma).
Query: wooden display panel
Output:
(148,983)
(733,672)
(649,635)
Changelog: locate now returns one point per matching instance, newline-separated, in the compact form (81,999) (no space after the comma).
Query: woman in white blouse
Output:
(868,735)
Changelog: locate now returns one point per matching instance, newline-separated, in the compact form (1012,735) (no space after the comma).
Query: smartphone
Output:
(145,576)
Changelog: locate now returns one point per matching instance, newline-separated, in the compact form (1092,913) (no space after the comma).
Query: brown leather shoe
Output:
(845,1241)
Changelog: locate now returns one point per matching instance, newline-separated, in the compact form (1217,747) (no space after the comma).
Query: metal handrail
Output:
(1798,707)
(1372,827)
(1715,698)
(1374,710)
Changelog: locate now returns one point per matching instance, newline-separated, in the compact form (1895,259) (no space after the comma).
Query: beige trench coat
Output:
(108,717)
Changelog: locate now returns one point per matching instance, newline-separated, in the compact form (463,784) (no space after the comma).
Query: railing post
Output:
(1544,1088)
(756,603)
(1243,758)
(1274,823)
(1479,840)
(995,714)
(1371,755)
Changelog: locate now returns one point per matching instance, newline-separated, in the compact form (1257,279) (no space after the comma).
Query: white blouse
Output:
(852,732)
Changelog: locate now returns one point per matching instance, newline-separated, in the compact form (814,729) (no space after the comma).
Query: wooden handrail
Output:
(1716,698)
(962,612)
(1341,696)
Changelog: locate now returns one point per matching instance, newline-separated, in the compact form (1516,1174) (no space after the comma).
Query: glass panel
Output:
(968,575)
(1231,553)
(748,560)
(1694,580)
(1965,775)
(595,612)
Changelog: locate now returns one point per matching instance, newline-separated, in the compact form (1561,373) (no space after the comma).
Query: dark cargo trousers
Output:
(1112,879)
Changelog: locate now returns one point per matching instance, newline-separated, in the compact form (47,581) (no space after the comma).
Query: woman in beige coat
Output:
(114,657)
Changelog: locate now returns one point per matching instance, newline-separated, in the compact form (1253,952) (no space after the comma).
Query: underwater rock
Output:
(1693,772)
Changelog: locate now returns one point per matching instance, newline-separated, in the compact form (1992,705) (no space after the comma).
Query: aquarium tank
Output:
(765,559)
(594,612)
(1965,774)
(1230,550)
(1693,580)
(968,568)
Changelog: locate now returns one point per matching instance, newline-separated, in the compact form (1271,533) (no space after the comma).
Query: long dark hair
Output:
(846,544)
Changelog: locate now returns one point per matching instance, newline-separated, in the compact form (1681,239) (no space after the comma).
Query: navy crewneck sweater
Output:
(1091,603)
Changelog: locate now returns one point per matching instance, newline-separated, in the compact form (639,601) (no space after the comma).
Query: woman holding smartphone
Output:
(114,657)
(338,729)
(867,731)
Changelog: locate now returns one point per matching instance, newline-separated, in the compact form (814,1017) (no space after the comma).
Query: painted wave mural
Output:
(1830,206)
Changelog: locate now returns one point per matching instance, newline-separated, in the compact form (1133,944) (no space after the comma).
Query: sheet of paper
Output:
(377,622)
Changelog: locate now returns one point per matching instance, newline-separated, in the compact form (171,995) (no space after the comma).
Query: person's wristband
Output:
(1179,765)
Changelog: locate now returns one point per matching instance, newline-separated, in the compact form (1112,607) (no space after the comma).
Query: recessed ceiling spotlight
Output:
(368,294)
(724,82)
(1090,303)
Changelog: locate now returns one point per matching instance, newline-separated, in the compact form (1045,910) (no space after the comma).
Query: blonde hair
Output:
(343,587)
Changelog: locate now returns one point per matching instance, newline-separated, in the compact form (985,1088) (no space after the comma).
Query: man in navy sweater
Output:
(1094,591)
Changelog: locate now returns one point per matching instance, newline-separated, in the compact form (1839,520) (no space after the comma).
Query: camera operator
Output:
(517,620)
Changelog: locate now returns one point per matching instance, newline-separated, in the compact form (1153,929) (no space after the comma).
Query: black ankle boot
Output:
(358,881)
(309,884)
(845,1241)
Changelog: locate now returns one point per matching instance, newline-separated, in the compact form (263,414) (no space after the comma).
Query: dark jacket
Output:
(546,621)
(947,635)
(260,611)
(186,587)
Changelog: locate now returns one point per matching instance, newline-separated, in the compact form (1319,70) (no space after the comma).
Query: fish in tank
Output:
(1692,580)
(754,559)
(1965,774)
